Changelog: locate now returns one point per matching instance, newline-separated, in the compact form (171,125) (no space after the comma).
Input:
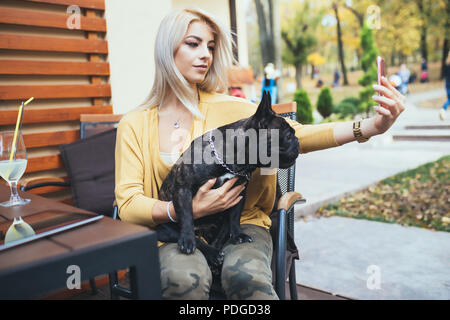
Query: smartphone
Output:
(381,72)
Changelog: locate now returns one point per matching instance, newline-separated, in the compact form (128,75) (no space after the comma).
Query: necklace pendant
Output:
(176,125)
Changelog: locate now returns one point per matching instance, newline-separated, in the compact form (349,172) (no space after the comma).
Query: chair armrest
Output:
(285,204)
(30,184)
(288,200)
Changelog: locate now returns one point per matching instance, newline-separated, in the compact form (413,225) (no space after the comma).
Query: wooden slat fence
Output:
(31,30)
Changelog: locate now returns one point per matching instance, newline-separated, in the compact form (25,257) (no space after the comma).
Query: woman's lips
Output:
(201,68)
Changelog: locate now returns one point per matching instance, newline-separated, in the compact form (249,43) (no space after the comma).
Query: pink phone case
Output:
(380,70)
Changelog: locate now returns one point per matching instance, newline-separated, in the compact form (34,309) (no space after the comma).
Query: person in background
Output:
(424,65)
(269,83)
(412,77)
(443,111)
(319,83)
(236,92)
(337,76)
(424,71)
(315,73)
(404,74)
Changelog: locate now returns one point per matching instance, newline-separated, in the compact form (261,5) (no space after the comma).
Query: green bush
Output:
(304,107)
(353,100)
(345,109)
(325,102)
(335,117)
(369,66)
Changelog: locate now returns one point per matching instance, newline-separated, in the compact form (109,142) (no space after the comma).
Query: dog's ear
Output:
(264,111)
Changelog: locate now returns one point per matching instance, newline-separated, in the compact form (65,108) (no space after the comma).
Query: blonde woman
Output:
(192,53)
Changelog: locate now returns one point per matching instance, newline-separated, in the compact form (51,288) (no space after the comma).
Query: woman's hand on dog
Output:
(209,201)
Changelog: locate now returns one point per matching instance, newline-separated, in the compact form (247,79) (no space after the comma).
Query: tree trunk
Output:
(276,34)
(340,45)
(423,31)
(265,33)
(393,57)
(298,76)
(445,49)
(423,43)
(446,45)
(358,15)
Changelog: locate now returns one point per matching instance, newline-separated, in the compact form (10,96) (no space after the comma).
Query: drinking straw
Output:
(18,124)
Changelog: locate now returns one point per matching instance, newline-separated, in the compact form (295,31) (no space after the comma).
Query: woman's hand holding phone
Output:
(391,102)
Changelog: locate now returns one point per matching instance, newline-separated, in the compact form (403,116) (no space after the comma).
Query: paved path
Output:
(373,260)
(327,175)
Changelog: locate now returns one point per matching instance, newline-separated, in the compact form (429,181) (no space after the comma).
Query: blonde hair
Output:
(167,76)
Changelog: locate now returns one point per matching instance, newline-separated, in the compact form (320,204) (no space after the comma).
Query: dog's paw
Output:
(186,244)
(241,238)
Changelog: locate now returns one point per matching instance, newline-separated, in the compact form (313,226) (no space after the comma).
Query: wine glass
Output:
(13,162)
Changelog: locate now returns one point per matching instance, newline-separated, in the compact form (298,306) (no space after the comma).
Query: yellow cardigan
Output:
(140,170)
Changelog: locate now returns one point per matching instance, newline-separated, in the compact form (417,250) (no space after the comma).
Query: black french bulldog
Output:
(189,173)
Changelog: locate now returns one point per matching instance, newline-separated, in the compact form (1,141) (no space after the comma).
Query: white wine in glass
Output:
(13,162)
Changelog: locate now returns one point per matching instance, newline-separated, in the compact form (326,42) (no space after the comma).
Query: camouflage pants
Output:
(246,272)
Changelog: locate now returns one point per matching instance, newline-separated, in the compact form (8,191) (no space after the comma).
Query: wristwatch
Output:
(357,132)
